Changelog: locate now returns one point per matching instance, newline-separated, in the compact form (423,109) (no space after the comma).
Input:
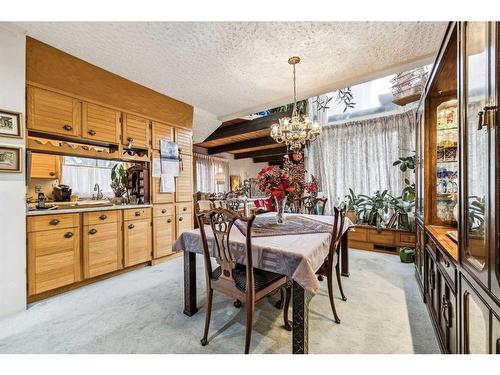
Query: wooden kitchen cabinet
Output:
(45,166)
(135,131)
(184,139)
(51,112)
(100,123)
(53,253)
(160,131)
(136,236)
(102,243)
(183,218)
(163,230)
(184,182)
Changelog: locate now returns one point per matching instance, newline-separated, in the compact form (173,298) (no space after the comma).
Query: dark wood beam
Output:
(257,142)
(247,127)
(266,159)
(258,153)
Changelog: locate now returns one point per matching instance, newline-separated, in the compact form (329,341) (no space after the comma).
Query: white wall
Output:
(12,185)
(204,124)
(245,168)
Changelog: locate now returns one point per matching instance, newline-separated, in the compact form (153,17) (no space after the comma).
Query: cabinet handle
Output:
(103,217)
(181,218)
(91,132)
(54,222)
(431,279)
(52,173)
(67,127)
(130,139)
(480,120)
(169,220)
(446,263)
(445,312)
(184,208)
(131,226)
(93,231)
(137,213)
(68,234)
(163,211)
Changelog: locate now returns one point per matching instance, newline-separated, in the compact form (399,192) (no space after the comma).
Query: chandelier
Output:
(299,129)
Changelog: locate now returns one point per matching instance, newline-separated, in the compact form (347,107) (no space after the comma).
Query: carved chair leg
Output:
(248,337)
(339,281)
(279,303)
(210,293)
(330,295)
(237,303)
(288,293)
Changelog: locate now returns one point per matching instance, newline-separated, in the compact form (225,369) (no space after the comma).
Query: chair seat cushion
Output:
(262,279)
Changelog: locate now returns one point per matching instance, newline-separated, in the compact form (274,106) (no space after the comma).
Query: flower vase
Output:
(280,210)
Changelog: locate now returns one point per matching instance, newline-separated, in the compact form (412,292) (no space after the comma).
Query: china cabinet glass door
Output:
(476,157)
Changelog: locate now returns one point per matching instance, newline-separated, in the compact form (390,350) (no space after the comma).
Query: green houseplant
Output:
(372,210)
(119,180)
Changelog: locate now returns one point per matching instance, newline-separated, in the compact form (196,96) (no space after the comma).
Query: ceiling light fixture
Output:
(299,129)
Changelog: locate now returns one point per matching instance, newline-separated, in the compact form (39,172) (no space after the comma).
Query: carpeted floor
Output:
(141,312)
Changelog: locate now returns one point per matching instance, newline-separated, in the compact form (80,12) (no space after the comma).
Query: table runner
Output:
(298,257)
(266,226)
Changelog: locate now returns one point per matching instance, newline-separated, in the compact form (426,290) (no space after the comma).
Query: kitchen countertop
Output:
(36,212)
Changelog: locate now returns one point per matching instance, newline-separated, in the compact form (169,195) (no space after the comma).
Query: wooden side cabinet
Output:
(53,252)
(51,112)
(45,166)
(102,243)
(136,236)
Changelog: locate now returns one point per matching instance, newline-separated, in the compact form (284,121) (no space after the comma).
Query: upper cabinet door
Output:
(135,131)
(184,183)
(476,160)
(50,112)
(160,131)
(184,139)
(100,123)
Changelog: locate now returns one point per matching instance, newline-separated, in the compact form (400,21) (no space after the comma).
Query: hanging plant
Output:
(345,96)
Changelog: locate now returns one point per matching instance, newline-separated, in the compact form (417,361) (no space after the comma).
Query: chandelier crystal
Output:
(299,129)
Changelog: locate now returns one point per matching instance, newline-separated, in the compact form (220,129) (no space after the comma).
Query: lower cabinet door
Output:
(447,318)
(475,321)
(495,335)
(184,222)
(137,241)
(54,259)
(163,235)
(102,249)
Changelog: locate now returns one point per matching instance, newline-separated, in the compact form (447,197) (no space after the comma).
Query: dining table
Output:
(296,255)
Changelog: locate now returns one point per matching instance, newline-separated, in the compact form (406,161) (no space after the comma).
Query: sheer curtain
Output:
(359,155)
(206,170)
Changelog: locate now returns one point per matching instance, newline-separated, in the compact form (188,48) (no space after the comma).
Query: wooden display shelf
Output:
(438,232)
(388,240)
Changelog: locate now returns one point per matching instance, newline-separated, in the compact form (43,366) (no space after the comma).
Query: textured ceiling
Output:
(234,68)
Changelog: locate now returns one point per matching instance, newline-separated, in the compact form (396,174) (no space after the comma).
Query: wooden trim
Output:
(263,141)
(264,152)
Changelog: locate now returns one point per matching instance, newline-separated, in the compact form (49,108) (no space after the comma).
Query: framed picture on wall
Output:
(10,124)
(10,159)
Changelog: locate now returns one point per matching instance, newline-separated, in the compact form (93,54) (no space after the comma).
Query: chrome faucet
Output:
(99,193)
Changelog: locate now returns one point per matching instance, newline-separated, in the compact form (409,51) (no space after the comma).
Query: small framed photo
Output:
(10,124)
(10,159)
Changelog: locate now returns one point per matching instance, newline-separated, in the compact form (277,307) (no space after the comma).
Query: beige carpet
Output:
(141,312)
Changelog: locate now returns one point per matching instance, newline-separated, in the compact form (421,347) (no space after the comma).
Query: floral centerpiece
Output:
(285,184)
(312,187)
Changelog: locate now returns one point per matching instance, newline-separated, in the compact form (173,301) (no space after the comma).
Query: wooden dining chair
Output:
(205,205)
(332,260)
(233,204)
(240,282)
(311,205)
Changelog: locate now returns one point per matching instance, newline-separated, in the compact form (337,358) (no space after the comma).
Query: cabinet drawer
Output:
(449,268)
(137,213)
(357,234)
(49,222)
(163,210)
(101,217)
(184,208)
(384,237)
(160,131)
(53,113)
(407,239)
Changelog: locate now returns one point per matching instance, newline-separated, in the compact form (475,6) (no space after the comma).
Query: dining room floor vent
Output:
(393,249)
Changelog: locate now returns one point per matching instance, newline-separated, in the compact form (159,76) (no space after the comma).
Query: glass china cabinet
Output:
(476,156)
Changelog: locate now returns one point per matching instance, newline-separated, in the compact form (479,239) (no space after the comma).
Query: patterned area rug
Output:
(265,226)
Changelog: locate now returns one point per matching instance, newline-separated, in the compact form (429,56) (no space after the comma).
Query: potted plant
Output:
(372,210)
(352,201)
(119,182)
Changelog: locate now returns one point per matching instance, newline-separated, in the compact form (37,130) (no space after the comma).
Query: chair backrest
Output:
(337,231)
(220,204)
(309,205)
(221,222)
(205,205)
(233,204)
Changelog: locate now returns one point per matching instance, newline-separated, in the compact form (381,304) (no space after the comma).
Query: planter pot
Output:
(351,214)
